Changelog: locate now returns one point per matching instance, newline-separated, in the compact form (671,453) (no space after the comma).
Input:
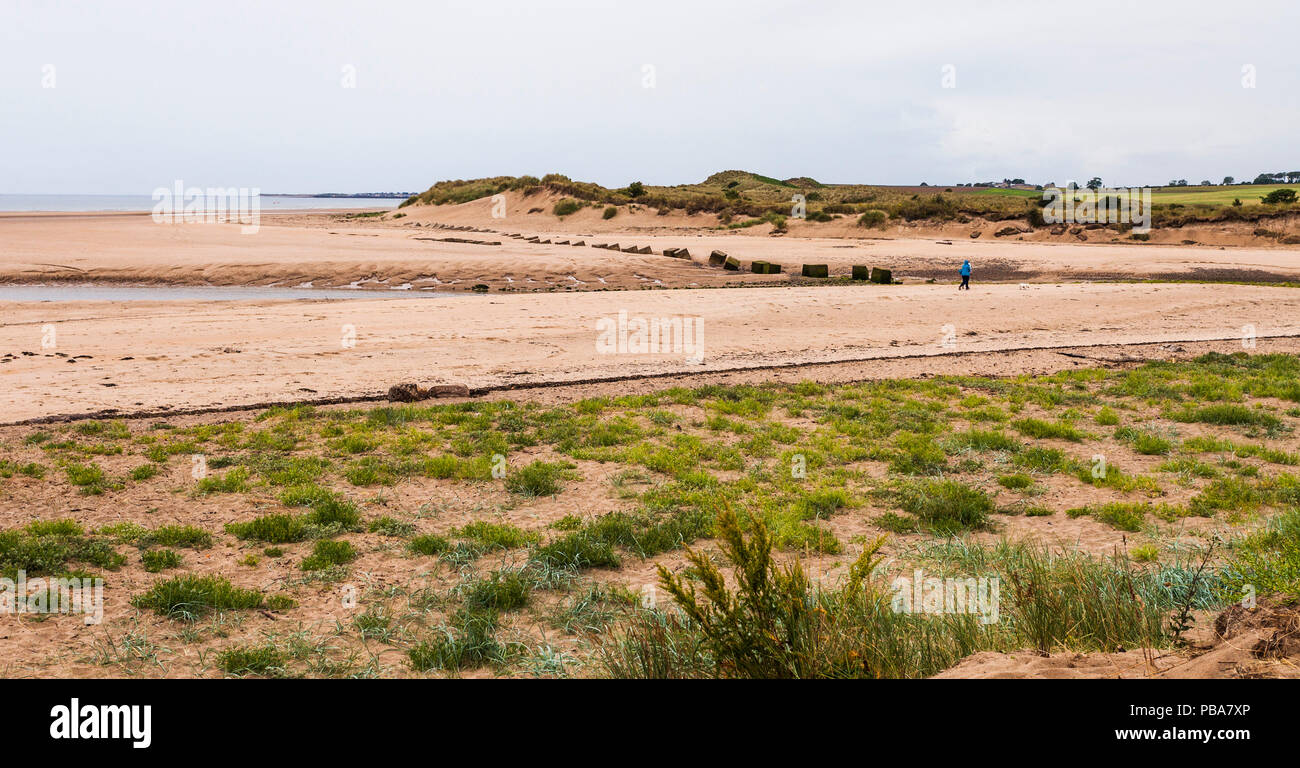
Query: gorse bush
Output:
(777,623)
(771,625)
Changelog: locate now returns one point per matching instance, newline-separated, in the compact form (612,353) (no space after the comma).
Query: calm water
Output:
(91,292)
(146,203)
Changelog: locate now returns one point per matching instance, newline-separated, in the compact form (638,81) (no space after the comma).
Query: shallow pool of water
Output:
(92,292)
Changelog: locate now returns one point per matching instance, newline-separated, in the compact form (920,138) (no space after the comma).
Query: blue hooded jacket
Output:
(965,268)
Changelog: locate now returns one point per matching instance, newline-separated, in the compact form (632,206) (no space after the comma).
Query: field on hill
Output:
(1119,509)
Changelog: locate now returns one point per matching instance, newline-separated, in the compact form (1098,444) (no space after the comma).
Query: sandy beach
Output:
(320,250)
(142,356)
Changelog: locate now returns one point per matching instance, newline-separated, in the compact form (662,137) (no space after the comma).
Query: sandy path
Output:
(152,355)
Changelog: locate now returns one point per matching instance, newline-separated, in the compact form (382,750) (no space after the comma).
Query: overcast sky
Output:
(251,94)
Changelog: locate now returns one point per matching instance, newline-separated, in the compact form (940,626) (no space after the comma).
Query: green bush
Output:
(873,219)
(565,207)
(773,625)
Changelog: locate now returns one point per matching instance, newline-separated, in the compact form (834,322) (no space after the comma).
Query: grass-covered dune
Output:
(740,198)
(720,531)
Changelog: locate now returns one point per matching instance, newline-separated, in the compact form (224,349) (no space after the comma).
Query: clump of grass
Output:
(503,590)
(1045,460)
(492,536)
(1266,562)
(455,467)
(917,455)
(272,529)
(252,660)
(1146,443)
(47,546)
(189,536)
(774,624)
(1228,493)
(982,440)
(946,506)
(234,481)
(144,472)
(428,544)
(1107,417)
(565,207)
(190,597)
(1042,429)
(1189,467)
(159,560)
(1126,516)
(90,478)
(329,515)
(1111,476)
(373,623)
(1016,482)
(1229,414)
(390,526)
(578,550)
(327,554)
(1205,444)
(470,643)
(539,478)
(1146,553)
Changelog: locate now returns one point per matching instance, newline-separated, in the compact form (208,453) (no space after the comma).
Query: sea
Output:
(269,203)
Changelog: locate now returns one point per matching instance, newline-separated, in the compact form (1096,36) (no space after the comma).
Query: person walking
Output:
(965,276)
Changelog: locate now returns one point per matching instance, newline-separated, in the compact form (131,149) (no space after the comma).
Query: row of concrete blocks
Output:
(454,227)
(645,249)
(874,274)
(540,241)
(860,272)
